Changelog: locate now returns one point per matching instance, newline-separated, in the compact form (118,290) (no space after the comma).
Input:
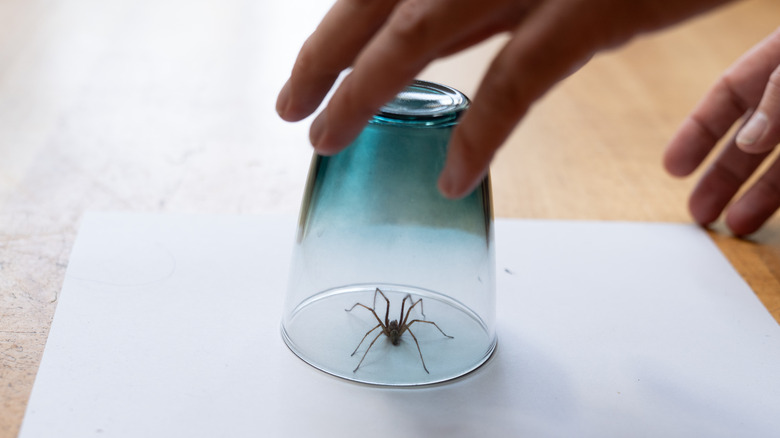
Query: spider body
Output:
(394,329)
(394,332)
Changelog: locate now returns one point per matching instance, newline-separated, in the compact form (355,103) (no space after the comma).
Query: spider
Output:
(393,329)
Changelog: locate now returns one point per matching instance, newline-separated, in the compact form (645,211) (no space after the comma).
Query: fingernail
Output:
(752,131)
(283,101)
(317,130)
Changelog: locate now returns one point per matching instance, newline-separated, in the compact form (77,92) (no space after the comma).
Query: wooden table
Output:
(167,106)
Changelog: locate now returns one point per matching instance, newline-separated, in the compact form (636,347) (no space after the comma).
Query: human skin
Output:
(388,42)
(749,91)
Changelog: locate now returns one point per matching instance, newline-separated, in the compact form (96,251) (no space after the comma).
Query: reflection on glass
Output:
(373,219)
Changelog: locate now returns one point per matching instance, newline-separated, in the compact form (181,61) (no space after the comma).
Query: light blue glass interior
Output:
(372,217)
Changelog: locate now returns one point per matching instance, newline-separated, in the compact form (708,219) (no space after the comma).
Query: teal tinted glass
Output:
(372,218)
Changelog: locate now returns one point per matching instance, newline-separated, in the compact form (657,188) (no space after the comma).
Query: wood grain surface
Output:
(167,106)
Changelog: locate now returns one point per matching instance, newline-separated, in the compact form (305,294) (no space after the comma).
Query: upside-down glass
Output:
(372,218)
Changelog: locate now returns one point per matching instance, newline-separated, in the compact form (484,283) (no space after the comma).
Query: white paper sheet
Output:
(168,325)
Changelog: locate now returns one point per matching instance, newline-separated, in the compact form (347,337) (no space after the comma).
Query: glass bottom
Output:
(326,334)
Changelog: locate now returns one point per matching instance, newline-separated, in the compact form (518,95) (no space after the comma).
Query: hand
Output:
(388,42)
(749,90)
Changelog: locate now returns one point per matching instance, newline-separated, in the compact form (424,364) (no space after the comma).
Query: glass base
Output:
(324,332)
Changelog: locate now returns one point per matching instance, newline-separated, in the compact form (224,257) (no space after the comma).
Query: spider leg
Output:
(409,311)
(364,338)
(428,322)
(367,349)
(387,309)
(403,303)
(418,349)
(369,309)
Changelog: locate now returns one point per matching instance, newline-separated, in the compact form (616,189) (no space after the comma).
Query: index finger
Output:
(332,48)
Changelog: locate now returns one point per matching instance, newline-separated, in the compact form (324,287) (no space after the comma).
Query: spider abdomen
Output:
(394,332)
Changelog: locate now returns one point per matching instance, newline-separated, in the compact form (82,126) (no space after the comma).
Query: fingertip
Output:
(739,223)
(317,129)
(673,165)
(283,101)
(688,148)
(330,136)
(454,187)
(462,173)
(701,218)
(291,109)
(322,142)
(300,98)
(749,213)
(706,203)
(750,136)
(761,132)
(448,185)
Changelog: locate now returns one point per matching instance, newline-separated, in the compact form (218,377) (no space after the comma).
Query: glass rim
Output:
(424,102)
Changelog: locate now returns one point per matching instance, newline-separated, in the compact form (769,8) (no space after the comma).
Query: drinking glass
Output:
(374,230)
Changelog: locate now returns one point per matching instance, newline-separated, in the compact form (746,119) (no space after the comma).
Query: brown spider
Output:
(393,329)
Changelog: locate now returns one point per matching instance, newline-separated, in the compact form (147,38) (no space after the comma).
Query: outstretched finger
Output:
(544,50)
(762,131)
(757,205)
(721,182)
(704,127)
(332,48)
